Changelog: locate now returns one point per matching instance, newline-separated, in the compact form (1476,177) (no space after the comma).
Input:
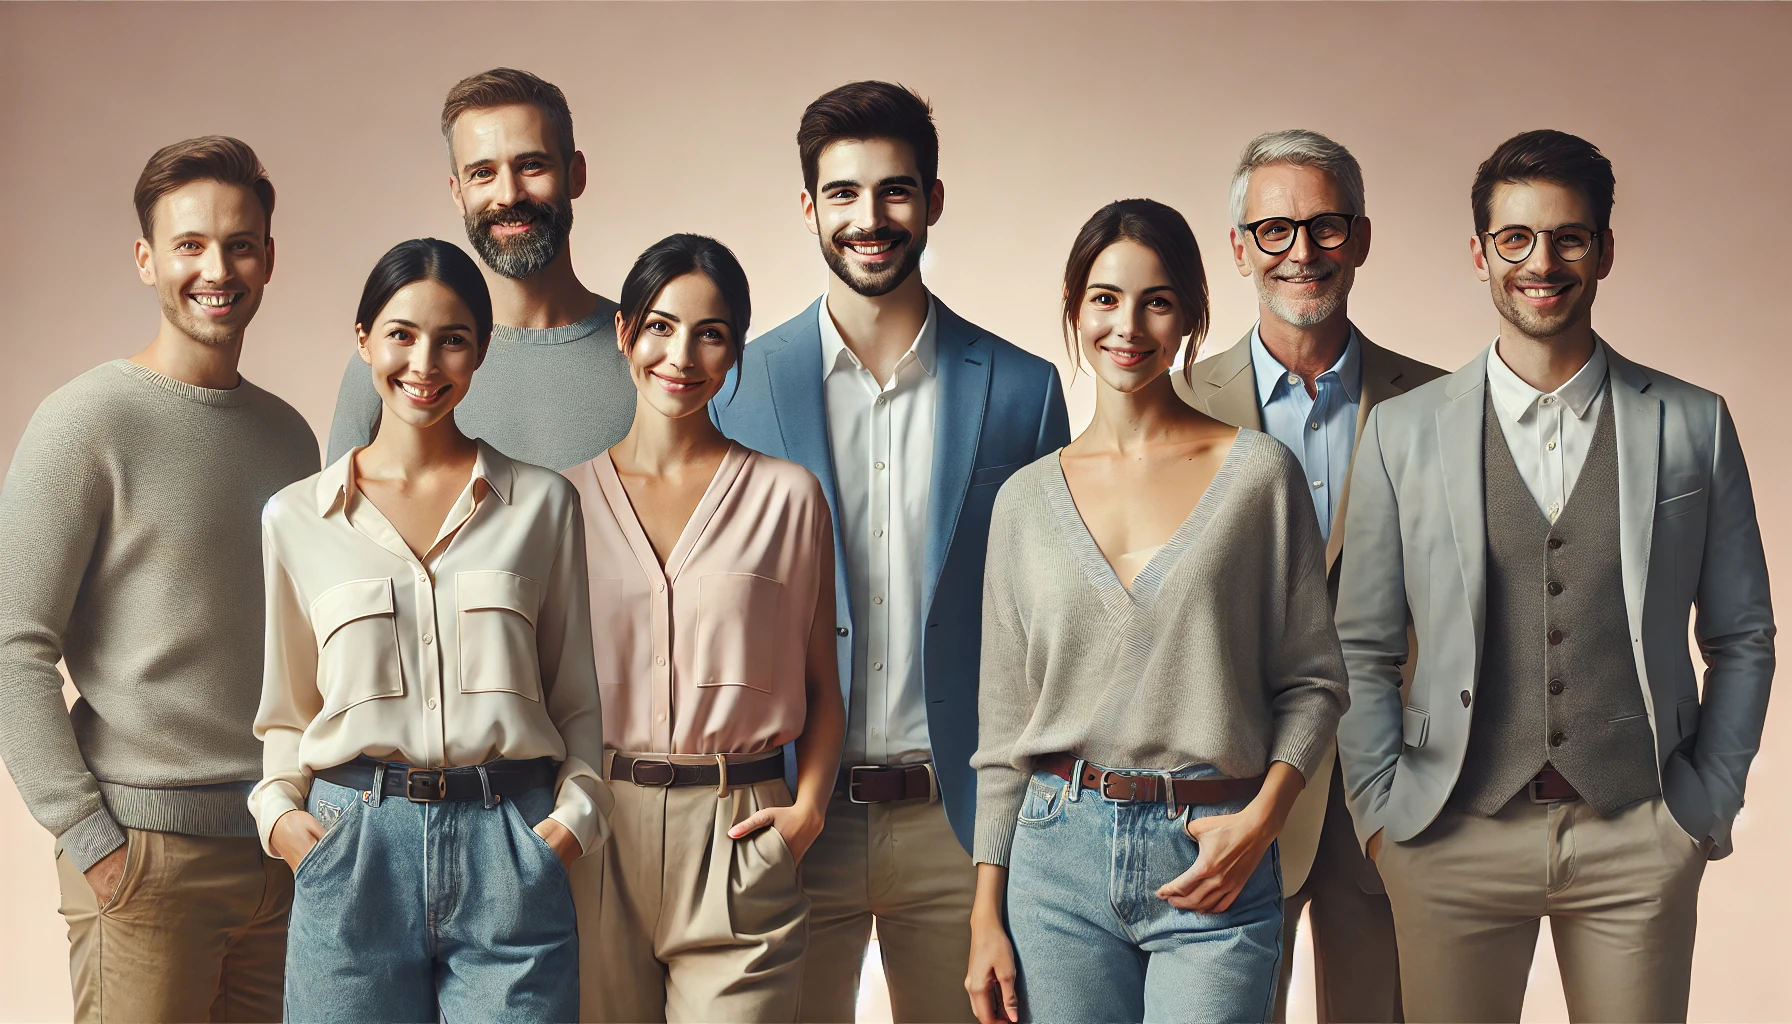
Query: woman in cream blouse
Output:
(712,602)
(429,707)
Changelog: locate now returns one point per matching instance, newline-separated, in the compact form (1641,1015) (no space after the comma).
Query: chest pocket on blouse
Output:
(497,612)
(740,639)
(357,645)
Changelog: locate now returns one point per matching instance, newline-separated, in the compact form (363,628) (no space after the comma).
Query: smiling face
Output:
(1306,285)
(423,347)
(1545,296)
(685,348)
(870,212)
(513,187)
(1130,324)
(209,258)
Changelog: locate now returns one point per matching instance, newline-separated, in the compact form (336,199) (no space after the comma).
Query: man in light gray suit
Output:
(1308,377)
(1548,516)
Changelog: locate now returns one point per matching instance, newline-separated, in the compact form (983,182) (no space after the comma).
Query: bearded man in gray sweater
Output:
(130,550)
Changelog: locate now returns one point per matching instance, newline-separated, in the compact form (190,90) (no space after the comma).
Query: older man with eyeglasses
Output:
(1307,376)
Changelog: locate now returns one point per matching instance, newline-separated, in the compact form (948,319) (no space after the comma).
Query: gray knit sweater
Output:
(130,546)
(1223,653)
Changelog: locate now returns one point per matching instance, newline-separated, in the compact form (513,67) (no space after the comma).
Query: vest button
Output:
(1558,739)
(1465,698)
(1555,686)
(1554,543)
(1554,588)
(1555,637)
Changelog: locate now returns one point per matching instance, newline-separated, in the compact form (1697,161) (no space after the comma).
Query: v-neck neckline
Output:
(733,461)
(1095,566)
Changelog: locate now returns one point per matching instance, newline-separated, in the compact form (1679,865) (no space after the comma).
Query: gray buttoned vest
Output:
(1558,679)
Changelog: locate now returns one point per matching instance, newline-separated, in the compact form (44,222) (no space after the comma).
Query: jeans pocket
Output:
(514,814)
(1043,804)
(334,812)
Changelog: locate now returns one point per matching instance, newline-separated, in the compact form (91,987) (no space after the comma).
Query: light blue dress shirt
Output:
(1320,430)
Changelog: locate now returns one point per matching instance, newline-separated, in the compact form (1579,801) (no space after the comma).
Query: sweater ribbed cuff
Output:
(1305,749)
(1001,790)
(89,840)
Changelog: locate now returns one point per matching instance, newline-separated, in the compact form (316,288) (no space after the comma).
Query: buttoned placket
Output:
(660,602)
(877,635)
(1318,445)
(1549,438)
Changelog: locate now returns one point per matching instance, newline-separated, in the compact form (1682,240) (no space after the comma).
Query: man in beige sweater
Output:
(130,547)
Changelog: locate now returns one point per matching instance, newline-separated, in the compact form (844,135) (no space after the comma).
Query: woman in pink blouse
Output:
(712,609)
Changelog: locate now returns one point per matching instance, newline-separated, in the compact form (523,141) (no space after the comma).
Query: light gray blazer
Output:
(1687,535)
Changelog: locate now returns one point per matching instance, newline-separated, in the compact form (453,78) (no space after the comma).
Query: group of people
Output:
(615,669)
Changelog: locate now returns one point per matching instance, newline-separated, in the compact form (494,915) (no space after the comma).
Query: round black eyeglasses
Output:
(1275,235)
(1515,242)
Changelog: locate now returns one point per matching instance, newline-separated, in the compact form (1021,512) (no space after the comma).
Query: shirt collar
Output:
(1518,398)
(1271,373)
(337,481)
(835,355)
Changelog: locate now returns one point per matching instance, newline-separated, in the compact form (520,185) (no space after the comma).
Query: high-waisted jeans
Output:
(1092,940)
(449,911)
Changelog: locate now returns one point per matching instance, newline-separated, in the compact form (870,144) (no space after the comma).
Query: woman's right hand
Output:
(293,836)
(990,980)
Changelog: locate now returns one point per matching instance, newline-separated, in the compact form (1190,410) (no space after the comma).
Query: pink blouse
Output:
(707,655)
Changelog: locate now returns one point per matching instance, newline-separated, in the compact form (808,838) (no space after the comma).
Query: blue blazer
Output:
(999,409)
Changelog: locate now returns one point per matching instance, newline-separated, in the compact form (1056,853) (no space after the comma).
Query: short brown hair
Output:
(1156,227)
(869,110)
(1546,155)
(207,158)
(501,87)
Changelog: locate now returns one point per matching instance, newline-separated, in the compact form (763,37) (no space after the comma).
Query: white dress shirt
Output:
(1548,434)
(881,438)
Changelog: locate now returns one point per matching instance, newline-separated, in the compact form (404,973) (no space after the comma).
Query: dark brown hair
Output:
(427,259)
(673,257)
(1546,155)
(208,158)
(869,110)
(501,87)
(1156,227)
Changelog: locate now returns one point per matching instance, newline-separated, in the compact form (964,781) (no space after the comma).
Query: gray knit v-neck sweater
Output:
(1223,652)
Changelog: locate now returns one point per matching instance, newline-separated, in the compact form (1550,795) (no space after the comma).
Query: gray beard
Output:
(528,255)
(1308,312)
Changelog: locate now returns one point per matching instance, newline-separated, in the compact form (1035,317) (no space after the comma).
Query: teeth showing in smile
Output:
(216,301)
(417,391)
(1544,293)
(870,248)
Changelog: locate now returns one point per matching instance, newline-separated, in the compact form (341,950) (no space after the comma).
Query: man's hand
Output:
(799,824)
(1374,847)
(560,840)
(1231,845)
(293,836)
(106,874)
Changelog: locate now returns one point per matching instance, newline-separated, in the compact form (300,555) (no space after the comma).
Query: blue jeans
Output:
(1092,940)
(420,912)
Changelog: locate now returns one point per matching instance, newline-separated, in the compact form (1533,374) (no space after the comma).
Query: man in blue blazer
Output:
(912,418)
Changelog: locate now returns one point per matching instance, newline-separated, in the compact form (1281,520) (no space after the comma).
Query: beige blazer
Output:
(1225,388)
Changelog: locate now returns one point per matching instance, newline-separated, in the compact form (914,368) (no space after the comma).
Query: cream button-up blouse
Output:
(480,650)
(709,653)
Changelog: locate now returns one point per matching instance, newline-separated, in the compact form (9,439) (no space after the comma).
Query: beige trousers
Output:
(901,864)
(678,922)
(1621,894)
(196,931)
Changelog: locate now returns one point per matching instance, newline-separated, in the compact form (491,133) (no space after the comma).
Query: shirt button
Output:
(1555,637)
(1318,483)
(877,666)
(1314,424)
(422,577)
(877,465)
(1551,446)
(1556,686)
(659,660)
(840,630)
(1293,379)
(877,533)
(662,716)
(1558,739)
(880,399)
(877,600)
(428,639)
(430,703)
(1549,400)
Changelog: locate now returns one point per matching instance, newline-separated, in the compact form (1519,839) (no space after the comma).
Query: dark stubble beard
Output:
(1532,323)
(529,253)
(877,284)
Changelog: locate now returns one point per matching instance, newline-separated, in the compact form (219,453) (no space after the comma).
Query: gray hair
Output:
(1305,149)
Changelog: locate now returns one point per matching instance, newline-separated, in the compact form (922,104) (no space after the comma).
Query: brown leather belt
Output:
(1549,787)
(1148,787)
(647,771)
(885,783)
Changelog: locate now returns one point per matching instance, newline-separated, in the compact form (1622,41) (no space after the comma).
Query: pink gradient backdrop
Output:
(687,114)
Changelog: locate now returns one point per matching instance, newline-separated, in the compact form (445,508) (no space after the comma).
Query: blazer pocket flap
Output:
(1686,714)
(347,602)
(994,474)
(497,589)
(1415,725)
(1679,504)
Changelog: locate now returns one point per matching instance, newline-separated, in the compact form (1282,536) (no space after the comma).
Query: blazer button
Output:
(839,630)
(1554,543)
(1558,739)
(1554,588)
(1465,698)
(1555,637)
(1555,686)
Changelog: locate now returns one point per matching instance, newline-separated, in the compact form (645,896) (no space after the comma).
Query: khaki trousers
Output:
(901,864)
(196,931)
(1621,894)
(678,922)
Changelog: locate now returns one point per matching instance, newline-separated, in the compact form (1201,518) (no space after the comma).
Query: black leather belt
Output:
(885,783)
(432,785)
(647,771)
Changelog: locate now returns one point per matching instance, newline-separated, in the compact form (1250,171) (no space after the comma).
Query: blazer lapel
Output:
(1636,416)
(797,400)
(1232,397)
(1460,440)
(1381,381)
(964,367)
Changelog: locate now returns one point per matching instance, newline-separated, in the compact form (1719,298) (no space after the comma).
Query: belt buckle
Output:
(425,785)
(852,782)
(1132,785)
(656,778)
(1534,789)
